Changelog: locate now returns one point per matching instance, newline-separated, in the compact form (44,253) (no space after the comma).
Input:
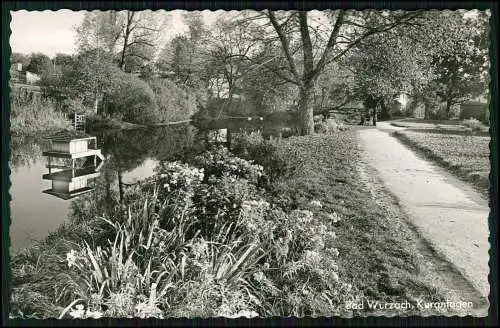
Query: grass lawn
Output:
(420,120)
(438,126)
(466,156)
(379,256)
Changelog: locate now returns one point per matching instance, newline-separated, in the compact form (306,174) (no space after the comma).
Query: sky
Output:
(46,31)
(52,32)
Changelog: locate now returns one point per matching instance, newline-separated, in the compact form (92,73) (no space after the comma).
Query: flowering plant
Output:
(220,161)
(175,175)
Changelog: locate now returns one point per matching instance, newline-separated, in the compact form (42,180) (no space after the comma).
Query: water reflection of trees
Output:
(128,149)
(24,151)
(125,150)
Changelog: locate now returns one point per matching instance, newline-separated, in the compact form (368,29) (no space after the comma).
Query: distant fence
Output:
(78,121)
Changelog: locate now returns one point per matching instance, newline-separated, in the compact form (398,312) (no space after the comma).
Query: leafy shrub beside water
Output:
(174,103)
(133,101)
(266,153)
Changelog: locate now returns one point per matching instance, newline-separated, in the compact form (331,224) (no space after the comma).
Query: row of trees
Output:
(312,61)
(324,60)
(439,57)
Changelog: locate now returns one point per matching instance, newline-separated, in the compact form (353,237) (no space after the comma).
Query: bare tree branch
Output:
(378,30)
(285,44)
(140,42)
(277,71)
(330,44)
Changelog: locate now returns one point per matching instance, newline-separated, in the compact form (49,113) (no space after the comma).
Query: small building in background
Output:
(403,100)
(17,75)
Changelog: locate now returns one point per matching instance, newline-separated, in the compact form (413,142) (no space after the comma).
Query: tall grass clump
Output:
(196,240)
(36,117)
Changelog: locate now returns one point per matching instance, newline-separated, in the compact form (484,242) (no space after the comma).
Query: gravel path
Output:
(445,211)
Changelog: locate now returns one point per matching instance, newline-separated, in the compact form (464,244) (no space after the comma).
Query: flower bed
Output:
(194,240)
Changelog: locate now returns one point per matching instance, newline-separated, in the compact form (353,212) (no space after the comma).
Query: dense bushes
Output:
(174,103)
(264,152)
(133,101)
(119,95)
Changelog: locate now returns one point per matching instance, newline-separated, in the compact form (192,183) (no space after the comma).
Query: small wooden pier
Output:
(73,160)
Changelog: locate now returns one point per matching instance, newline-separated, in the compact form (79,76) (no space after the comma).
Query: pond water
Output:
(129,154)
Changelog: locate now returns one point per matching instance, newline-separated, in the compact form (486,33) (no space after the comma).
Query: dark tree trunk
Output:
(448,108)
(427,110)
(120,186)
(229,138)
(306,122)
(374,117)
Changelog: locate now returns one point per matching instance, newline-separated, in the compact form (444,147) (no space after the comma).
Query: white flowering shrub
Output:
(175,175)
(220,161)
(302,246)
(79,312)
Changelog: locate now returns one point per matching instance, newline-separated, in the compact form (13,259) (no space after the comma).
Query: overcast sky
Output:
(52,32)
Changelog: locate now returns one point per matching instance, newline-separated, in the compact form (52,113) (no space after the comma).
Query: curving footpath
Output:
(447,212)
